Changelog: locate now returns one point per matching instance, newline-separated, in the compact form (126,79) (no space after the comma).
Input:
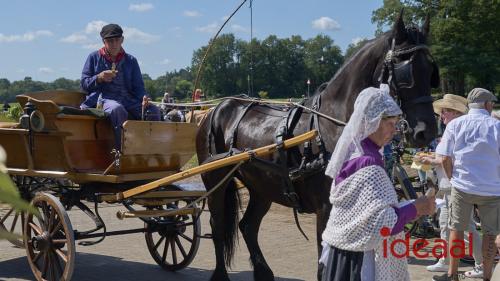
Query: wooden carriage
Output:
(60,156)
(63,141)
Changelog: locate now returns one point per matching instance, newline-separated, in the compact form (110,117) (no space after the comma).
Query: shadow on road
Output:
(101,267)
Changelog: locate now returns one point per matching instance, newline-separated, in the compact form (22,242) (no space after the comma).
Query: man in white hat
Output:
(471,158)
(449,108)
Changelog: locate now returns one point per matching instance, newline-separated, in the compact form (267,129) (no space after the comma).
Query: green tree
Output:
(354,47)
(183,89)
(220,68)
(64,84)
(323,58)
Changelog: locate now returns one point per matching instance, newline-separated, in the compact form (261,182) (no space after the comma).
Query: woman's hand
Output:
(425,205)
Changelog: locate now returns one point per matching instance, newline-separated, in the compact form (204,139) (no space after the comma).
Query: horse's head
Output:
(411,72)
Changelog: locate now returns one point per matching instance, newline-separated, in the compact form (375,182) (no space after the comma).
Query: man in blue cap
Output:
(113,81)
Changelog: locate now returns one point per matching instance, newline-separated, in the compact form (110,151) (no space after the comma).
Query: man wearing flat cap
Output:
(471,158)
(113,80)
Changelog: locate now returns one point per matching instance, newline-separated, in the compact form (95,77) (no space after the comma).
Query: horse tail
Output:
(206,140)
(231,219)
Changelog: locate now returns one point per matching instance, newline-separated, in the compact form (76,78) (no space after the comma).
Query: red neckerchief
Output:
(107,56)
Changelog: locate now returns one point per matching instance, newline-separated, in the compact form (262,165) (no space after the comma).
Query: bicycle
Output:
(423,227)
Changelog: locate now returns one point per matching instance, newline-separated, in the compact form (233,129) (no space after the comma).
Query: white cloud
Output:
(45,70)
(26,37)
(325,23)
(136,35)
(210,28)
(92,46)
(165,62)
(142,7)
(238,28)
(224,18)
(192,14)
(75,38)
(94,26)
(89,37)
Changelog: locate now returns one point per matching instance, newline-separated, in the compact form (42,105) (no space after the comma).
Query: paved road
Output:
(291,257)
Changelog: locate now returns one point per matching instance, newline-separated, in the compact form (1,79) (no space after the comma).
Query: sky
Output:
(49,39)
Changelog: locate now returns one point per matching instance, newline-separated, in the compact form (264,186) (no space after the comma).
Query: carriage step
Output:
(206,236)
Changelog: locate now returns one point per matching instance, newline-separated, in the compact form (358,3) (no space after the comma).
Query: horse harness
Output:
(400,74)
(292,165)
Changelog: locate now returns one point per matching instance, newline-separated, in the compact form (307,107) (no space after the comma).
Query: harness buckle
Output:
(389,55)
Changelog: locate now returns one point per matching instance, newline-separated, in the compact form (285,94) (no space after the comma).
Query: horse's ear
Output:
(399,29)
(426,26)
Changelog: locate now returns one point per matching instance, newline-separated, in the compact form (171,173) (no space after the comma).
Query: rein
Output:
(259,101)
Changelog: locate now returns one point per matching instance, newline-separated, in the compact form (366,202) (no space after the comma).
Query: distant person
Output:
(113,82)
(198,94)
(6,106)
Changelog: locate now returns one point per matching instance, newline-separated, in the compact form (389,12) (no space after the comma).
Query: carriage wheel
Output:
(173,241)
(12,220)
(49,240)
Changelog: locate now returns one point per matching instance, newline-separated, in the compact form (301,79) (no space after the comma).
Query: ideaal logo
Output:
(439,250)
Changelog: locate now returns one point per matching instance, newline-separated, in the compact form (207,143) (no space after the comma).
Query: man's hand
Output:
(145,101)
(106,76)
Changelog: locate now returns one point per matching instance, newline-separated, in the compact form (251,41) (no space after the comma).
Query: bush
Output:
(15,112)
(263,95)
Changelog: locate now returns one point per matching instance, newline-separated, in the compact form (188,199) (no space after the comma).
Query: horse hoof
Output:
(219,276)
(264,274)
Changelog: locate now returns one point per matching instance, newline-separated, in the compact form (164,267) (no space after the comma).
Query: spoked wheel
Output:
(12,220)
(173,241)
(49,240)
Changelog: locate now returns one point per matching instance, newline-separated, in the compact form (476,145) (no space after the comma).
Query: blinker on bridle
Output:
(400,74)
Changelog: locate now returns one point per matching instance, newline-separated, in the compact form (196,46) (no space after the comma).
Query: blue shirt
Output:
(127,88)
(473,142)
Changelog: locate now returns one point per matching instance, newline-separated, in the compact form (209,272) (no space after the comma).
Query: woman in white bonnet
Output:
(363,198)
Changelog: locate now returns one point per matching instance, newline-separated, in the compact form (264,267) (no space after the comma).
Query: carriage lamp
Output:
(37,121)
(24,121)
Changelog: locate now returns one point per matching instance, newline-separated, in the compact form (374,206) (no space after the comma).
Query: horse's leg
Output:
(322,216)
(249,227)
(223,211)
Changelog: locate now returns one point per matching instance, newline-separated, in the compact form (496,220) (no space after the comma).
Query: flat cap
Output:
(111,31)
(479,96)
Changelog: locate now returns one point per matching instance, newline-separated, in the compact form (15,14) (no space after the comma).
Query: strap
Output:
(234,129)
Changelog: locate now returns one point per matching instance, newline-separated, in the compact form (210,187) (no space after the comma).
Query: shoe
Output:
(439,266)
(445,277)
(476,272)
(468,260)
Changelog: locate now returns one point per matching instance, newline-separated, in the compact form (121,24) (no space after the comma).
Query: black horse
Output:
(399,56)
